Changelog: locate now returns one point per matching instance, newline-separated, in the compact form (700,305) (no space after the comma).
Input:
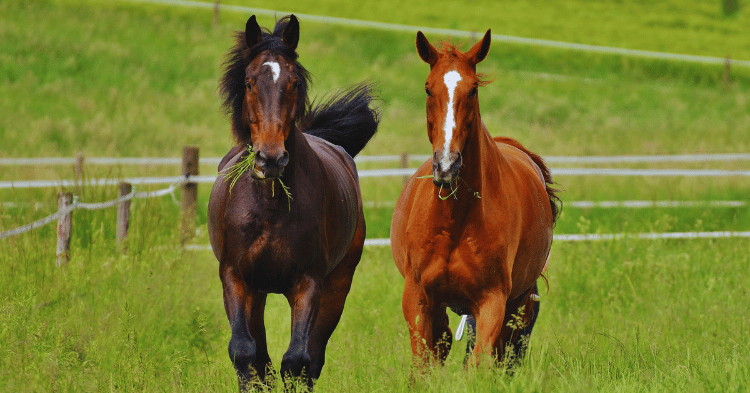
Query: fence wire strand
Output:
(92,206)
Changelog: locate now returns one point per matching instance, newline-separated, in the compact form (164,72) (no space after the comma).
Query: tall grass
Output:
(624,315)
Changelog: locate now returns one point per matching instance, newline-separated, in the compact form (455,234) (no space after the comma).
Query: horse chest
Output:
(463,266)
(260,248)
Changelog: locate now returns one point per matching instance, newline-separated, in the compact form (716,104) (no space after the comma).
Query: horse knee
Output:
(242,352)
(295,363)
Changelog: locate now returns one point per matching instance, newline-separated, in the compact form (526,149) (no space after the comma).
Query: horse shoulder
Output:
(231,157)
(218,204)
(410,206)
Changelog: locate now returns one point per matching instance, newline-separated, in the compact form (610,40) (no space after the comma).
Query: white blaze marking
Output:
(274,68)
(451,80)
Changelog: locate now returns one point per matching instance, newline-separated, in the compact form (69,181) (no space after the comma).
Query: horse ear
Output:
(426,51)
(253,34)
(290,36)
(479,51)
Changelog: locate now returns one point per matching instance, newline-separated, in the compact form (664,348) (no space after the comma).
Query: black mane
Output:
(232,86)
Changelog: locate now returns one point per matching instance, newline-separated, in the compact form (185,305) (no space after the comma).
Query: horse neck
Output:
(299,152)
(478,150)
(472,178)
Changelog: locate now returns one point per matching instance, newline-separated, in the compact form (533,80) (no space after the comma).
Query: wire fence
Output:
(372,173)
(155,161)
(590,237)
(90,206)
(459,33)
(190,162)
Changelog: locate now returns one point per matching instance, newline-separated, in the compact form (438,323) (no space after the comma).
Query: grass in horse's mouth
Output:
(235,171)
(286,191)
(248,163)
(453,190)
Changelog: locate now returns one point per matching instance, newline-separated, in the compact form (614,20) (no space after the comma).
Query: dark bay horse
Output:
(292,223)
(477,236)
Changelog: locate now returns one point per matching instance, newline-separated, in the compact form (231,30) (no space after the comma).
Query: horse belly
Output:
(340,230)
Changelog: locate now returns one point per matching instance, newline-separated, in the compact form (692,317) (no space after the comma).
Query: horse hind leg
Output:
(471,336)
(521,317)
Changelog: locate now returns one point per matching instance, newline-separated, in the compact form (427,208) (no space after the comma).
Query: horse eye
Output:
(473,92)
(427,90)
(248,85)
(296,85)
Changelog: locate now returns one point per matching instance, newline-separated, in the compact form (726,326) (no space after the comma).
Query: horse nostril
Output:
(457,163)
(260,159)
(284,159)
(265,162)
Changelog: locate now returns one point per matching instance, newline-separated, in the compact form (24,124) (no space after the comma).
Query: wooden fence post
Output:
(727,70)
(189,192)
(216,13)
(123,216)
(79,166)
(405,164)
(64,228)
(730,7)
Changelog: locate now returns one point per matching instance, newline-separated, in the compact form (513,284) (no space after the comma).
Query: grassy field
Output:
(130,79)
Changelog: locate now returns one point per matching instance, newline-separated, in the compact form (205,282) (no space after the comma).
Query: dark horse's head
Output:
(265,92)
(452,102)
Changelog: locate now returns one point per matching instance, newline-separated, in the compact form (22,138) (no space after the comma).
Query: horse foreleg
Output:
(333,296)
(490,339)
(305,302)
(245,313)
(512,331)
(429,331)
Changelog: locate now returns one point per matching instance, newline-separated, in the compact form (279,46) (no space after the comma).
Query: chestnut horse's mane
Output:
(232,86)
(554,200)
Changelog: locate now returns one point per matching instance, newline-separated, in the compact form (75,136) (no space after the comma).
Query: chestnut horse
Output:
(476,237)
(292,223)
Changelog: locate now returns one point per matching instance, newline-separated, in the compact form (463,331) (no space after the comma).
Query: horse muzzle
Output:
(445,168)
(269,166)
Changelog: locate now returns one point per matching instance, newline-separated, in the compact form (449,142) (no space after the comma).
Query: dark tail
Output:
(345,119)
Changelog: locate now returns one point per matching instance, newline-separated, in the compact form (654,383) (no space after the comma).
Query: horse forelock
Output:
(452,52)
(239,57)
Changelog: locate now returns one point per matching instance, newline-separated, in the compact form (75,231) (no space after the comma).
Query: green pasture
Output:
(129,79)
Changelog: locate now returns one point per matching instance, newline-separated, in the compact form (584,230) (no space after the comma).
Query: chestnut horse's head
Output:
(265,90)
(452,102)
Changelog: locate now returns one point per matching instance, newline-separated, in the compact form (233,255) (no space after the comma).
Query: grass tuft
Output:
(234,172)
